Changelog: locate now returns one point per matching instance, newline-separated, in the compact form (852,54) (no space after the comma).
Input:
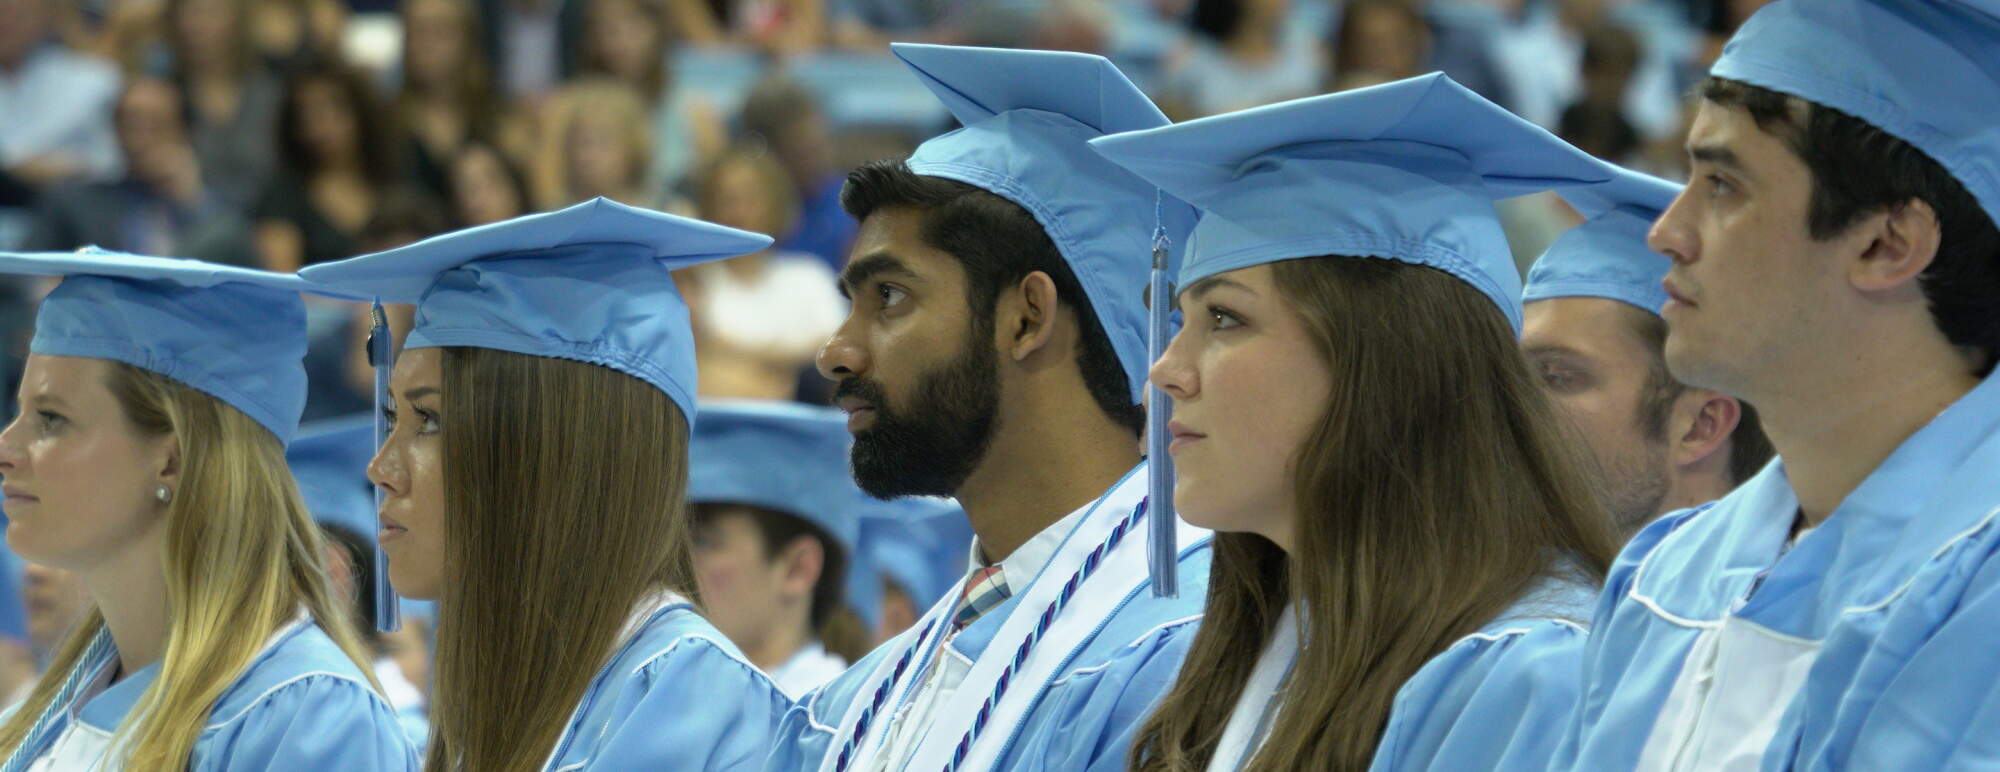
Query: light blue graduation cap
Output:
(1404,171)
(1607,256)
(588,283)
(922,544)
(330,461)
(236,334)
(1925,71)
(1028,116)
(779,456)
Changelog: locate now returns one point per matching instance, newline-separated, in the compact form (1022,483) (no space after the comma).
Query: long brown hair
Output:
(565,488)
(1436,488)
(241,557)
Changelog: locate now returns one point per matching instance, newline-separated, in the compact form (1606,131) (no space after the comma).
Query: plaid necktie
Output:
(987,589)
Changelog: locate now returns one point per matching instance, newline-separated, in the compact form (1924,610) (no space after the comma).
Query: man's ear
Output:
(804,560)
(1027,315)
(1903,241)
(1703,421)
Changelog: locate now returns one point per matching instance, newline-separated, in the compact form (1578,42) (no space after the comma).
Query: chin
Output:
(33,547)
(1191,503)
(414,587)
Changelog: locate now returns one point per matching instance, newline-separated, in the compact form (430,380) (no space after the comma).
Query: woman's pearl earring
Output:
(163,493)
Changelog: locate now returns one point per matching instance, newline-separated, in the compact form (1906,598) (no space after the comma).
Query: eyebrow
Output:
(1716,154)
(868,267)
(1201,288)
(1554,348)
(420,392)
(47,400)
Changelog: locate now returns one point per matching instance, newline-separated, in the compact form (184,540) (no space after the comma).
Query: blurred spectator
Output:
(786,117)
(335,164)
(1244,53)
(784,27)
(339,380)
(1541,54)
(486,187)
(447,98)
(1596,122)
(17,325)
(531,43)
(758,319)
(1381,40)
(627,41)
(292,34)
(55,105)
(595,143)
(232,96)
(163,204)
(869,25)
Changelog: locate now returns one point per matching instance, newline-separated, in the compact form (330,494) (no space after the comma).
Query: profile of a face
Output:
(1248,390)
(1750,289)
(917,374)
(82,483)
(409,468)
(1597,373)
(740,578)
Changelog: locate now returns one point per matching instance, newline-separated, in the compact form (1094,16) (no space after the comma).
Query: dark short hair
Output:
(1858,170)
(778,530)
(1749,448)
(998,243)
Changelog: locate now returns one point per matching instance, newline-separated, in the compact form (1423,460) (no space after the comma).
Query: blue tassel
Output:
(387,611)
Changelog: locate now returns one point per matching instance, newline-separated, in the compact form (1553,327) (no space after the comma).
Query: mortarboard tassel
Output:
(387,614)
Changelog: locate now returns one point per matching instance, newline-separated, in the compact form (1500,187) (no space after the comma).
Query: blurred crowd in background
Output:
(281,133)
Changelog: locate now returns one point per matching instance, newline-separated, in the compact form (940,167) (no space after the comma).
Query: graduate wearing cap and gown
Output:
(1838,610)
(1011,669)
(330,462)
(774,532)
(1416,605)
(568,632)
(221,541)
(1591,328)
(914,551)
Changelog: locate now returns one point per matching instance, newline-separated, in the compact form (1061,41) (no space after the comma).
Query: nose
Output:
(386,469)
(1175,373)
(843,356)
(12,452)
(1673,234)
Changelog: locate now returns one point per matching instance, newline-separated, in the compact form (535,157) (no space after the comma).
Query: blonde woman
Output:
(148,459)
(534,483)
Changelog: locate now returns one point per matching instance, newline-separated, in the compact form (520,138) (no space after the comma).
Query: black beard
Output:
(932,447)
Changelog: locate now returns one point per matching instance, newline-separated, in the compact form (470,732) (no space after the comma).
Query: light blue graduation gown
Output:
(1498,699)
(1101,690)
(302,705)
(677,695)
(1870,644)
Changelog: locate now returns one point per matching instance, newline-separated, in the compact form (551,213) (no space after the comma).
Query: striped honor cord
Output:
(1049,615)
(99,652)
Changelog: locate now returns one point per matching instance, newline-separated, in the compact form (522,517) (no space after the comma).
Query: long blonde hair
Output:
(1435,490)
(241,556)
(565,505)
